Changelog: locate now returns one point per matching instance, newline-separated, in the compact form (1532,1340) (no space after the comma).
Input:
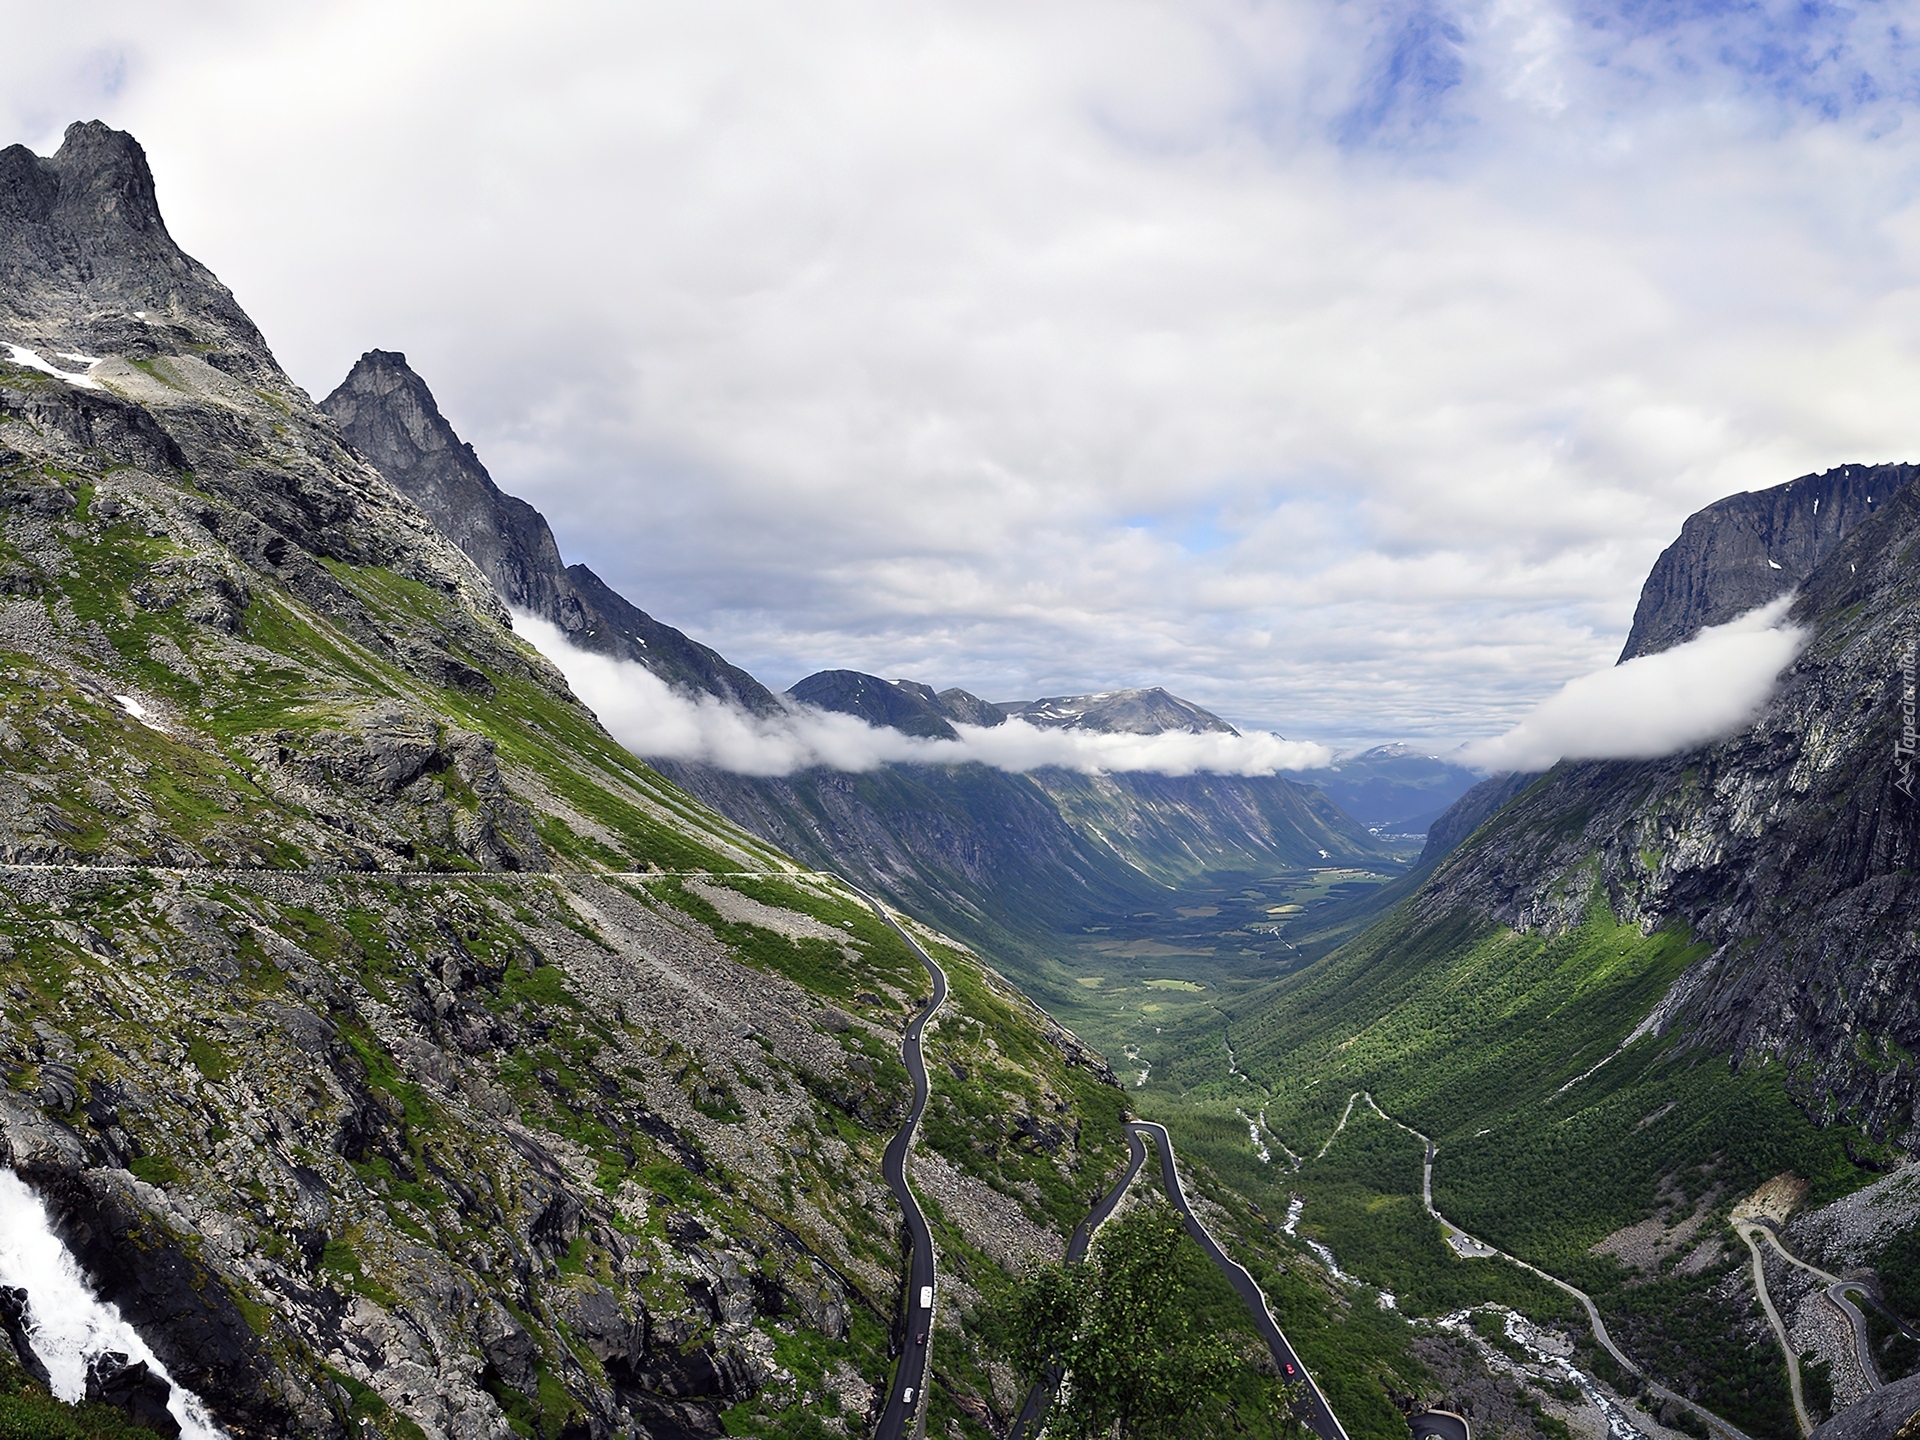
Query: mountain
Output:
(1006,860)
(89,264)
(1009,859)
(1637,996)
(1119,712)
(1741,552)
(402,1056)
(902,705)
(387,413)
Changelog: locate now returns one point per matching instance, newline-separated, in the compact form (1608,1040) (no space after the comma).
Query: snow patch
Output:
(21,355)
(139,712)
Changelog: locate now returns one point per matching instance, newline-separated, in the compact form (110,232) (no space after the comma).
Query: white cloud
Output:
(1705,690)
(657,722)
(1340,366)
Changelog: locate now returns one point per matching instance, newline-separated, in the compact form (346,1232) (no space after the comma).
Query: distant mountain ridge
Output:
(1002,858)
(1393,789)
(903,705)
(1151,711)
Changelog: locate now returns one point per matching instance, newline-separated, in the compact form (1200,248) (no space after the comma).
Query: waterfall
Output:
(68,1323)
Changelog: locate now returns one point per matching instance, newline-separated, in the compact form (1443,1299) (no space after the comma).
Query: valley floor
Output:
(1565,1255)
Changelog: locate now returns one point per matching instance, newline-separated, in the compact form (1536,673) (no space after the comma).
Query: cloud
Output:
(1343,367)
(657,722)
(1705,690)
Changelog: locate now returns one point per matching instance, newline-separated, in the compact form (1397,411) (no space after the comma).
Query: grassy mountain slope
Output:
(400,1053)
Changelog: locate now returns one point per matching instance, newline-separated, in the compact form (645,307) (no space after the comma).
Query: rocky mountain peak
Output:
(387,413)
(395,399)
(1741,552)
(390,416)
(967,708)
(105,182)
(88,263)
(97,183)
(1151,711)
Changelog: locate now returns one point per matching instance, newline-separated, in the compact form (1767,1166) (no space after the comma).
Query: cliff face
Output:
(389,415)
(1790,848)
(1741,552)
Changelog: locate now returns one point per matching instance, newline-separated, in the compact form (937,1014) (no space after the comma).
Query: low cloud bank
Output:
(1704,690)
(652,719)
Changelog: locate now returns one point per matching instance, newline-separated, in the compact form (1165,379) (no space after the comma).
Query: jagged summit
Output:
(1741,552)
(116,341)
(914,708)
(1152,711)
(386,410)
(391,417)
(88,264)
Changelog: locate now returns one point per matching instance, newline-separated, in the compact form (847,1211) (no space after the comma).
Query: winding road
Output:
(1475,1248)
(1836,1293)
(1745,1231)
(1314,1410)
(1041,1396)
(909,1388)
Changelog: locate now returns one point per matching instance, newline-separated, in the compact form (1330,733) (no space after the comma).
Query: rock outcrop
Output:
(1789,848)
(387,412)
(134,1390)
(1891,1414)
(1741,552)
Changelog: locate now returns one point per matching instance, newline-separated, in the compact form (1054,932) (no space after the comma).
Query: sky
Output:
(1340,366)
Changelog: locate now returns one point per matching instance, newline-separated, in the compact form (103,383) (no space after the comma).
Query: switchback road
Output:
(1475,1248)
(1836,1292)
(908,1392)
(1041,1396)
(1745,1232)
(1315,1411)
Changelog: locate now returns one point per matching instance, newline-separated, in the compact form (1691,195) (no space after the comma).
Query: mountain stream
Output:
(1547,1363)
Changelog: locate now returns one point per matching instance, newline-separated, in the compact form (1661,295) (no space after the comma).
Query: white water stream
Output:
(1253,1134)
(1325,1256)
(68,1324)
(1550,1362)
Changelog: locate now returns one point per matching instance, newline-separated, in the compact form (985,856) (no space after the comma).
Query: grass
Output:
(1472,1034)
